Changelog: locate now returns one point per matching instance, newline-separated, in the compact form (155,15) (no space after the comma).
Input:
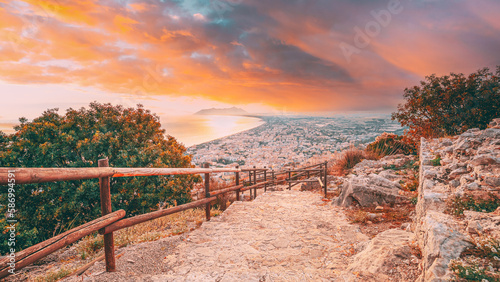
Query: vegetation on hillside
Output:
(391,144)
(129,137)
(450,104)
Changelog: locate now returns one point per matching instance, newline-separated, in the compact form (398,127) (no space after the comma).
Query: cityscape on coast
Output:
(291,141)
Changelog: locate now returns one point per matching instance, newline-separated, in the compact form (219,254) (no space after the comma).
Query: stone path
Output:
(280,236)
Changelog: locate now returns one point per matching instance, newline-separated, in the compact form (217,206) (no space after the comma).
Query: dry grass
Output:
(372,221)
(170,225)
(411,184)
(347,160)
(223,201)
(54,275)
(91,246)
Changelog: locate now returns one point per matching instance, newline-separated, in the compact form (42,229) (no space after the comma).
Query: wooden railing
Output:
(257,178)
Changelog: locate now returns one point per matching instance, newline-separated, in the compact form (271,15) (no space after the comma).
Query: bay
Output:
(196,129)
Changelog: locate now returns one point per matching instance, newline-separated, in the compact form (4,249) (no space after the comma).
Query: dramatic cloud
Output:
(313,55)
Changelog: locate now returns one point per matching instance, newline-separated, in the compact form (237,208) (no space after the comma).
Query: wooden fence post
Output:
(272,175)
(207,192)
(105,189)
(326,176)
(289,179)
(250,181)
(265,179)
(255,182)
(237,178)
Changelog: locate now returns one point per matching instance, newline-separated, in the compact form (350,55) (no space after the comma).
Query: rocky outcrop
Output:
(479,223)
(385,253)
(370,190)
(468,164)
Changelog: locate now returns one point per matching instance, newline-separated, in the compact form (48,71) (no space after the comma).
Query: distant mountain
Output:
(226,111)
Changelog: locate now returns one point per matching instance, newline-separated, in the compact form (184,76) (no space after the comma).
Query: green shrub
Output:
(129,137)
(457,205)
(480,262)
(436,161)
(450,104)
(391,144)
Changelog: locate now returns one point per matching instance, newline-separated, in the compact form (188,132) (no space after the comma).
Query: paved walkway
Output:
(280,236)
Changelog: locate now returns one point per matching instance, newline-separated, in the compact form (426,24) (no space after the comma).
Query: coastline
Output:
(262,118)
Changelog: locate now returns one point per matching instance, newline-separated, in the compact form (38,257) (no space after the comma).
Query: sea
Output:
(197,129)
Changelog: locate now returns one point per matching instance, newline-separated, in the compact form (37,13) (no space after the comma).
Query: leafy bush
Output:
(451,104)
(457,205)
(391,144)
(129,137)
(480,262)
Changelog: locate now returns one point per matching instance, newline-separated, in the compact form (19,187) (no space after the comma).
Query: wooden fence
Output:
(256,178)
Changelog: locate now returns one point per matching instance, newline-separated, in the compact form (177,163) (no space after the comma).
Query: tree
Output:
(129,137)
(450,104)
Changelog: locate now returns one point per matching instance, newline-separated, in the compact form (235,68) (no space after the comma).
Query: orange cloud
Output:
(124,23)
(72,11)
(276,53)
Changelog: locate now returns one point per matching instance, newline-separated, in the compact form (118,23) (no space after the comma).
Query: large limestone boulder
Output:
(370,190)
(440,242)
(385,253)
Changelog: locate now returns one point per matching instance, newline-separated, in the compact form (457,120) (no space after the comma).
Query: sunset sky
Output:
(177,57)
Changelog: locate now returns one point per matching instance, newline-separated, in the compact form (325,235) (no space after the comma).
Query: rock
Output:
(480,222)
(457,172)
(471,170)
(368,191)
(492,181)
(390,175)
(474,228)
(454,183)
(440,243)
(497,211)
(446,143)
(495,123)
(384,251)
(379,208)
(484,160)
(473,186)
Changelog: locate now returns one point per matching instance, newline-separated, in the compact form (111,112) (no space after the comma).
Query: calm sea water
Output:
(193,130)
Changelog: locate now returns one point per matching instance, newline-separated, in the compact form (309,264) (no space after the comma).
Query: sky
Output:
(177,57)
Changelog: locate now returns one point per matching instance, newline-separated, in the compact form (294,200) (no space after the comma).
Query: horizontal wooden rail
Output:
(252,169)
(114,221)
(123,172)
(225,190)
(256,185)
(39,175)
(306,167)
(306,170)
(40,250)
(304,180)
(127,222)
(311,173)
